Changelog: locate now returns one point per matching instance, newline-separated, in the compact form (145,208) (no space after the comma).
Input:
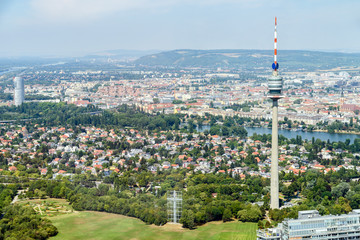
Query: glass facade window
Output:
(313,226)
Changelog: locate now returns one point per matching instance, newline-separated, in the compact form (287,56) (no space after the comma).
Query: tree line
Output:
(21,222)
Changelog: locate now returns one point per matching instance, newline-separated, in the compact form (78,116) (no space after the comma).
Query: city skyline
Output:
(78,27)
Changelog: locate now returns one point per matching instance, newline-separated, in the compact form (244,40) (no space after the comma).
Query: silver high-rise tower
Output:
(19,93)
(275,83)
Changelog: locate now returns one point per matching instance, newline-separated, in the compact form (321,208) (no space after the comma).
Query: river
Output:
(324,136)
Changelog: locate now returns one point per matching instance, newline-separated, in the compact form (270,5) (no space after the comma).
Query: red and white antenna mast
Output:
(275,65)
(275,44)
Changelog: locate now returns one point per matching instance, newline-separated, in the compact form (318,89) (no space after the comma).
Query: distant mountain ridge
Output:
(122,54)
(250,59)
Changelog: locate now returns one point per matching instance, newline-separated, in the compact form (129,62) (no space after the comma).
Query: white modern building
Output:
(310,225)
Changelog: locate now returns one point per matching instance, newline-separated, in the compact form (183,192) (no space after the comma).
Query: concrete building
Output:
(310,225)
(19,93)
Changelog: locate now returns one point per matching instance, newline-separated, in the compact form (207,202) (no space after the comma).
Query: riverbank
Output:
(337,132)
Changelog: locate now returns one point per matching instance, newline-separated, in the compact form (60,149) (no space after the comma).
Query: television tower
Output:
(275,83)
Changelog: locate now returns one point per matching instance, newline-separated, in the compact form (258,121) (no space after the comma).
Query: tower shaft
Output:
(274,195)
(275,84)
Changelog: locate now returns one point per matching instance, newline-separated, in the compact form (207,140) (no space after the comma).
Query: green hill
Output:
(250,59)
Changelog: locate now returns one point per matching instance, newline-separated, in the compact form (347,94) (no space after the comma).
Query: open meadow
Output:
(107,226)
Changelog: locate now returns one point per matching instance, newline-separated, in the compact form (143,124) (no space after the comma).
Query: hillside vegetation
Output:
(250,59)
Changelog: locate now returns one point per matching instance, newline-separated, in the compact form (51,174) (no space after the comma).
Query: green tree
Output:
(187,219)
(340,190)
(250,214)
(227,215)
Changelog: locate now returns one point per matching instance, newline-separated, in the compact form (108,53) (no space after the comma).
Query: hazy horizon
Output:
(140,53)
(72,28)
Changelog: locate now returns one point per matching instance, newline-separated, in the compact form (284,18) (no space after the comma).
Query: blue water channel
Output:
(324,136)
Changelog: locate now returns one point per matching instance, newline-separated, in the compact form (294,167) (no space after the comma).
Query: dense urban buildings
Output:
(310,97)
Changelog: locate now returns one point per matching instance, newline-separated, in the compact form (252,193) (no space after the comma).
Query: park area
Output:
(48,207)
(107,226)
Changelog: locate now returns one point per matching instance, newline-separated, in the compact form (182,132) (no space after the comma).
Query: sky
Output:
(79,27)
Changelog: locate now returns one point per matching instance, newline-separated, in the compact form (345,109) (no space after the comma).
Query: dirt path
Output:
(267,216)
(16,198)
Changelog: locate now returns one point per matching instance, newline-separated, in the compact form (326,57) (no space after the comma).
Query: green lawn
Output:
(107,226)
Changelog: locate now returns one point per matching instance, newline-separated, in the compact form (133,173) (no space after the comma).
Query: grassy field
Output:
(101,226)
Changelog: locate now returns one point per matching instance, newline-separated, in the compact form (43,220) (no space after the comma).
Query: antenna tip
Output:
(275,21)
